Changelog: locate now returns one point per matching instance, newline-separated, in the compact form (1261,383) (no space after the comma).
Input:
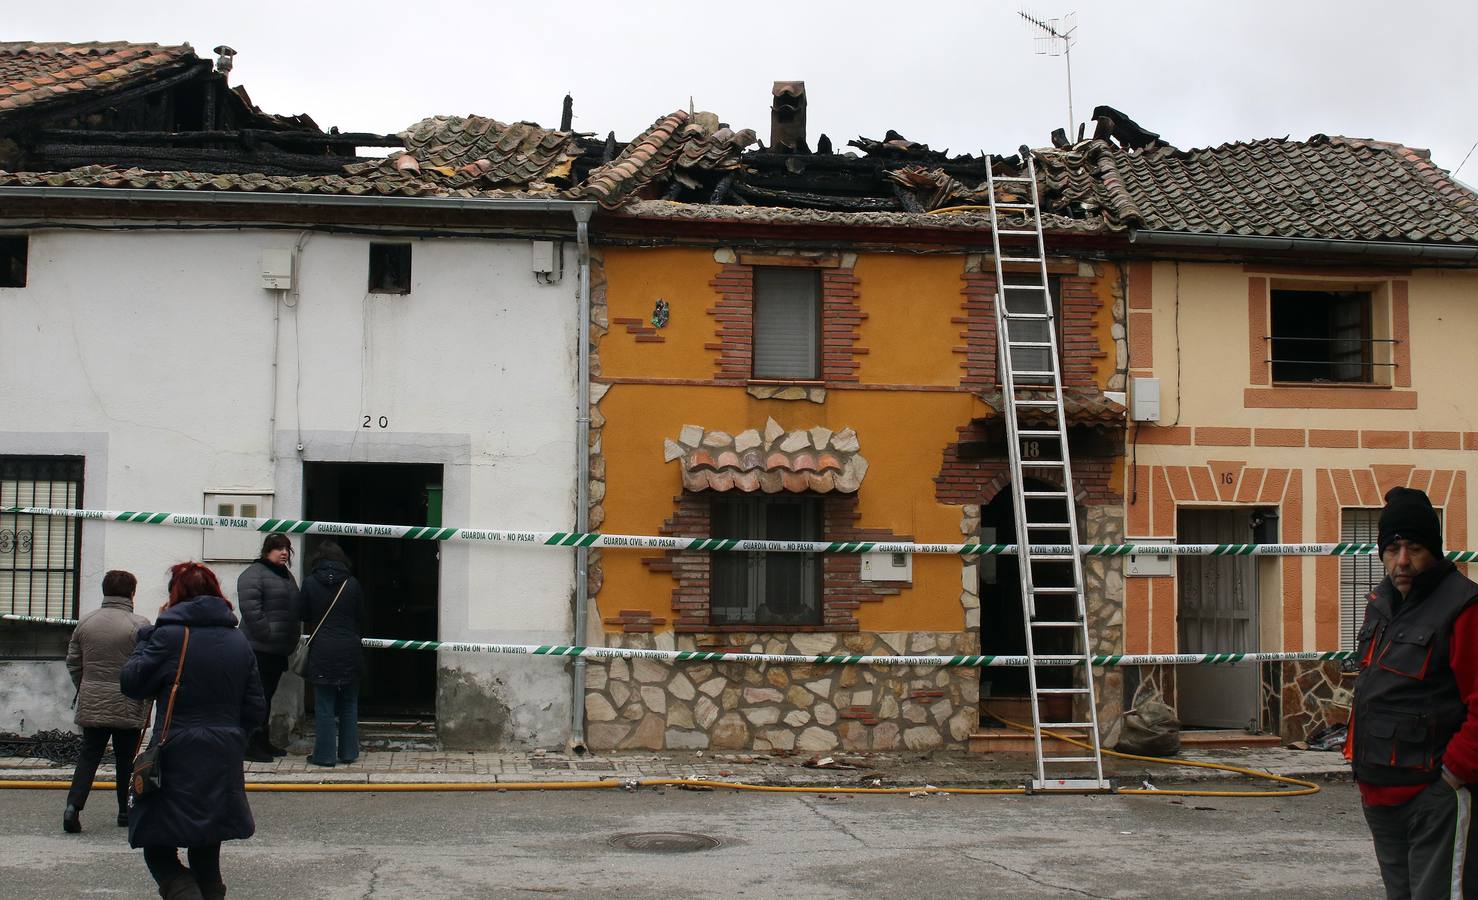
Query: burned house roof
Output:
(151,107)
(402,184)
(690,166)
(673,152)
(475,153)
(1333,188)
(35,74)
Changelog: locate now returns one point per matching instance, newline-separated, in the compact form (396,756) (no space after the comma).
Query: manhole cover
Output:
(664,842)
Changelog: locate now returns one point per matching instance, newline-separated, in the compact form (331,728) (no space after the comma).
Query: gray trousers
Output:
(1423,844)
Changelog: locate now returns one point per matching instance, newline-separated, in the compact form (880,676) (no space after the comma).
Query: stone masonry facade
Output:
(648,704)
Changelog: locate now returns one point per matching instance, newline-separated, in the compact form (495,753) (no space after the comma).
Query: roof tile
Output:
(35,73)
(1334,188)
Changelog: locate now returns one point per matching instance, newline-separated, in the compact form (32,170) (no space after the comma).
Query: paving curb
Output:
(960,770)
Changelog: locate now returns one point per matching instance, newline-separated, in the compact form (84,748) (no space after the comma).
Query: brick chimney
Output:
(788,117)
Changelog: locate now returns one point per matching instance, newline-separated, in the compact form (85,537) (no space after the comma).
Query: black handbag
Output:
(148,774)
(297,663)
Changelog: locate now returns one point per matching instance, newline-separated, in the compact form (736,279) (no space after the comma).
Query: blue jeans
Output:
(335,723)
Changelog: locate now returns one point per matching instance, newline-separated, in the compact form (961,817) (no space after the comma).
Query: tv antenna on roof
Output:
(1055,38)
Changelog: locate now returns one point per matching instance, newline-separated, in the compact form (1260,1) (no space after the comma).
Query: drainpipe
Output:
(582,484)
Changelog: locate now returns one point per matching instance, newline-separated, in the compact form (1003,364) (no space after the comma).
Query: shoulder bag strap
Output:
(169,711)
(330,609)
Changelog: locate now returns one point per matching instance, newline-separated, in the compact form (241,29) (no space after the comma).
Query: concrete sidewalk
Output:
(940,768)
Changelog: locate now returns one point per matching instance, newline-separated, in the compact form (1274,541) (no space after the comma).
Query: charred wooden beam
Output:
(721,189)
(905,197)
(91,102)
(808,200)
(186,158)
(344,139)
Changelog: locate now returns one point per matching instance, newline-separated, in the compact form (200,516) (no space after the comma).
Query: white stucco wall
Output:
(151,354)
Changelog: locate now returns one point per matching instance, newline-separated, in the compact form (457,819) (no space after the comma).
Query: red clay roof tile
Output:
(35,73)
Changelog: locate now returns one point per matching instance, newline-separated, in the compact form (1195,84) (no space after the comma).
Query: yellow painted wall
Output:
(909,301)
(902,435)
(635,280)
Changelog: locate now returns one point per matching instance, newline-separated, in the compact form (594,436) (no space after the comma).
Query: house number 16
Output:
(381,422)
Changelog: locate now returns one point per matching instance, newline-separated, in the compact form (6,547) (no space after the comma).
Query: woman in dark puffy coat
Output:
(202,801)
(335,657)
(267,596)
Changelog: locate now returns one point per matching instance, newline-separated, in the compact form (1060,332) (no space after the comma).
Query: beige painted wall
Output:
(1198,324)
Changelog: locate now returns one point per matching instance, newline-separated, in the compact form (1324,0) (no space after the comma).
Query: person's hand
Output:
(1451,779)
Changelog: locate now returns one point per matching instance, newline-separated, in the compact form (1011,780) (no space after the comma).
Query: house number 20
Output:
(381,422)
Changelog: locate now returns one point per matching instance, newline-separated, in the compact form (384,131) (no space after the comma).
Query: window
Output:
(390,268)
(39,555)
(766,588)
(1029,300)
(1326,336)
(14,251)
(787,323)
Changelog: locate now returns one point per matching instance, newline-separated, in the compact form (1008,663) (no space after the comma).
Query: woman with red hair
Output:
(202,800)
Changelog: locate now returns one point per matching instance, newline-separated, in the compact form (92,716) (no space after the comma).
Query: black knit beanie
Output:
(1409,514)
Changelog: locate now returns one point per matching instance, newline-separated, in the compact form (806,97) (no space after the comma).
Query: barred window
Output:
(39,555)
(1358,575)
(766,588)
(1327,336)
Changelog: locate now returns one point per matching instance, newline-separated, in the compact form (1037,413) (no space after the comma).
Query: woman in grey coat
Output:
(100,644)
(268,598)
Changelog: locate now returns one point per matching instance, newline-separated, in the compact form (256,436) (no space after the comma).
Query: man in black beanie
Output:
(1413,739)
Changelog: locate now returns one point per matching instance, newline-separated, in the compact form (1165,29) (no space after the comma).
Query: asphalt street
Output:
(423,846)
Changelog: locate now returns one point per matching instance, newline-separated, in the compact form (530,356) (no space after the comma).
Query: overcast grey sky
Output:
(961,75)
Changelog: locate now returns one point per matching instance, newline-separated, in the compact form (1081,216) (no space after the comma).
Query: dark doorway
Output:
(1002,615)
(400,577)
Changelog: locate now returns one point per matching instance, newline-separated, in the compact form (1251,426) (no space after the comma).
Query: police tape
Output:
(596,539)
(976,661)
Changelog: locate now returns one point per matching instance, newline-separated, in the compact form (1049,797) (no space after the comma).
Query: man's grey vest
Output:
(1407,705)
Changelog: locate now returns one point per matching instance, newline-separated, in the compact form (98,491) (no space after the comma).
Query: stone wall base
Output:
(661,705)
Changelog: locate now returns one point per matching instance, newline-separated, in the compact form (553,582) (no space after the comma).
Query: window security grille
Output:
(1357,574)
(39,555)
(1324,336)
(787,323)
(766,588)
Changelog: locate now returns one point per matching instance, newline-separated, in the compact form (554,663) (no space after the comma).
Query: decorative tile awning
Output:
(1082,406)
(808,459)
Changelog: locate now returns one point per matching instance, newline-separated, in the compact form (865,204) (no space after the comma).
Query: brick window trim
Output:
(1079,347)
(842,589)
(733,314)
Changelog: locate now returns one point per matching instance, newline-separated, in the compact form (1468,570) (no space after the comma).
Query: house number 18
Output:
(381,422)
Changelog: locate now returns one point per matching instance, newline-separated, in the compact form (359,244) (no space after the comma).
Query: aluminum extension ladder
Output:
(1031,390)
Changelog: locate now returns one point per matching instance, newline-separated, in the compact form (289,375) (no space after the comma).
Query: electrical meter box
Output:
(887,567)
(1149,564)
(277,270)
(1144,399)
